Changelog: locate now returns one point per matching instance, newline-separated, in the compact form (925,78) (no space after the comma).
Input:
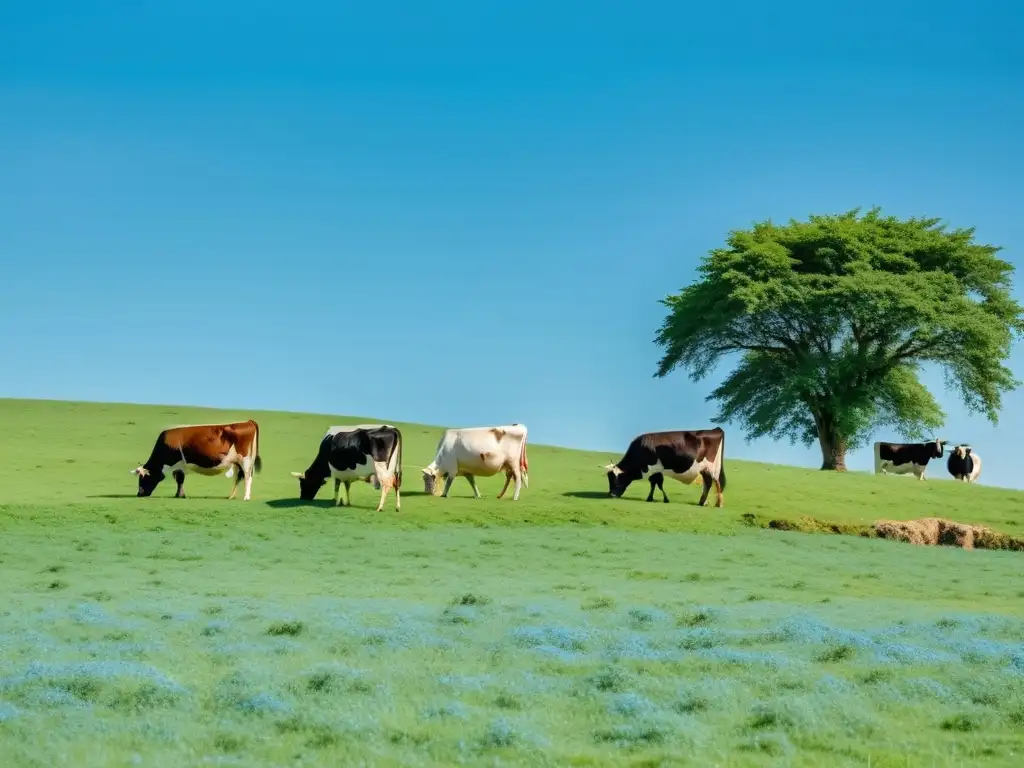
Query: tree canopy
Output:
(832,319)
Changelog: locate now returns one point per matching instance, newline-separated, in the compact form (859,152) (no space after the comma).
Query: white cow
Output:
(479,451)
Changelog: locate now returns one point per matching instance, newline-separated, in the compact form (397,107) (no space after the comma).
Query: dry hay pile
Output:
(929,531)
(934,531)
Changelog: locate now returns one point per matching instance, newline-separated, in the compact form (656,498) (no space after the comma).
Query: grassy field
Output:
(563,629)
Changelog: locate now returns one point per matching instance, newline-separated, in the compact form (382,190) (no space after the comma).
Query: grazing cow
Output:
(353,453)
(964,464)
(206,449)
(479,451)
(683,455)
(901,458)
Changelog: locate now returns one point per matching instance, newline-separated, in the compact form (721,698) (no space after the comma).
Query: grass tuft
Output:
(286,628)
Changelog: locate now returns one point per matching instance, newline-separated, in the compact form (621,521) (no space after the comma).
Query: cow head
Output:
(619,479)
(432,481)
(962,451)
(938,448)
(148,480)
(308,486)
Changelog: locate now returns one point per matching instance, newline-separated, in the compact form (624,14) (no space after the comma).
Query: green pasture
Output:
(563,629)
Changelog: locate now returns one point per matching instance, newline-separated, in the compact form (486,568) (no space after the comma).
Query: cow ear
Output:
(968,451)
(300,475)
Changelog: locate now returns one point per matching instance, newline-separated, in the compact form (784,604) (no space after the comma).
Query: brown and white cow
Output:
(473,452)
(682,455)
(205,449)
(906,458)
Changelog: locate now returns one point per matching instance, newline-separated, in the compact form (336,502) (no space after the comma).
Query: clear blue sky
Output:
(464,213)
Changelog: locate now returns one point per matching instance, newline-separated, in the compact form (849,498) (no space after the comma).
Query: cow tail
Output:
(257,464)
(524,465)
(398,469)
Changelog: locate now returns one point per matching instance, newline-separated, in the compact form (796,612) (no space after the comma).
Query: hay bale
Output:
(956,534)
(909,531)
(935,531)
(931,528)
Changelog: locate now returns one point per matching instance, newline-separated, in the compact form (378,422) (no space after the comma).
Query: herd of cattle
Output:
(903,458)
(372,453)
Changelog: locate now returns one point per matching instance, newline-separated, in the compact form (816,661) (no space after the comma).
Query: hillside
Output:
(81,454)
(563,629)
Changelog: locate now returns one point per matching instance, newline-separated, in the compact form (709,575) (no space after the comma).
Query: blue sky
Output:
(462,214)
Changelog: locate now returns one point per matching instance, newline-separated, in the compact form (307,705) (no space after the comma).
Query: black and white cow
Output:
(682,455)
(360,452)
(964,464)
(904,458)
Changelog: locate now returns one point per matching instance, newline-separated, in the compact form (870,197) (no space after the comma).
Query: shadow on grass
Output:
(604,495)
(295,503)
(587,494)
(169,497)
(326,503)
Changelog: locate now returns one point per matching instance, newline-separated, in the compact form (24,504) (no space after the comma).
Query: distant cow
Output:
(479,451)
(964,464)
(351,453)
(902,458)
(206,449)
(682,455)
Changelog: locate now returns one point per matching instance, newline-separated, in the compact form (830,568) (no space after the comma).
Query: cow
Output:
(682,455)
(901,458)
(206,449)
(371,477)
(473,452)
(347,454)
(964,464)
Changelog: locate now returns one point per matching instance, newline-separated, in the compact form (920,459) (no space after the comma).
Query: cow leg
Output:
(398,494)
(337,487)
(519,484)
(348,494)
(658,481)
(248,469)
(472,484)
(179,478)
(385,486)
(708,482)
(448,480)
(234,487)
(508,482)
(720,496)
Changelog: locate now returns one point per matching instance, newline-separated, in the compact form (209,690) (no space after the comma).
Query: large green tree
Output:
(831,320)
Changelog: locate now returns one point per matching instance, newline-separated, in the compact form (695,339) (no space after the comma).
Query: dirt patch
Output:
(928,531)
(934,531)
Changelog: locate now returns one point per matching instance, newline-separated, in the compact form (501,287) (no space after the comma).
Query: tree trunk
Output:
(833,447)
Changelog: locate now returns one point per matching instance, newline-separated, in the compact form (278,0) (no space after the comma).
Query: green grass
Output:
(563,629)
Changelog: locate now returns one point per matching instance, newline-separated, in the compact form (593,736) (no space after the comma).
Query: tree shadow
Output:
(587,494)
